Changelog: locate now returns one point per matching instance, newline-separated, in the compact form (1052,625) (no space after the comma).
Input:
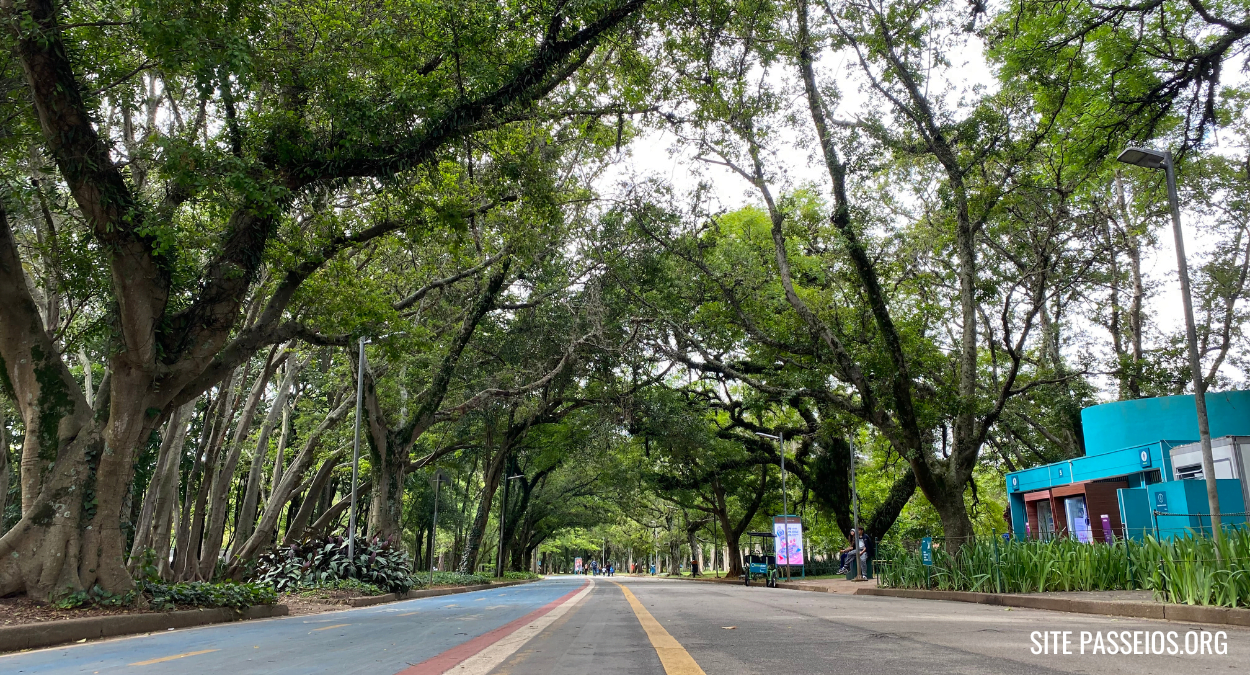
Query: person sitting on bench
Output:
(844,556)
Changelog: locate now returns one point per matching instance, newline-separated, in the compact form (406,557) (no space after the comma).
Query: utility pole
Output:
(1162,159)
(855,510)
(360,391)
(503,515)
(438,481)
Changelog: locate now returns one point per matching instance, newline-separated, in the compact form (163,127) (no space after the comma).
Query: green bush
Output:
(1181,570)
(93,597)
(456,579)
(360,587)
(201,594)
(521,576)
(165,596)
(322,560)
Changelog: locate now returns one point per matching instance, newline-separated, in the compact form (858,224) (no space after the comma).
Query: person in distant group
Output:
(866,551)
(844,556)
(611,569)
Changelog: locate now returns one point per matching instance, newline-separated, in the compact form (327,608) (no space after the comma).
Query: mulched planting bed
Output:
(18,610)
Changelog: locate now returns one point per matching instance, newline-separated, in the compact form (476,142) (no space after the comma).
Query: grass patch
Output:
(1181,570)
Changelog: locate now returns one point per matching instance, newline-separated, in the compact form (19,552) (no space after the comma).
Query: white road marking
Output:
(486,660)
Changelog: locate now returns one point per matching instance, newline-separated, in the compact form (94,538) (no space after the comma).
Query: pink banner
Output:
(789,540)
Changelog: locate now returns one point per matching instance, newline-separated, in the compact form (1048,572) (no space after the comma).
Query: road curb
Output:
(1136,610)
(67,631)
(368,600)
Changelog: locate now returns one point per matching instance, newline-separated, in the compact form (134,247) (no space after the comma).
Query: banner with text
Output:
(789,531)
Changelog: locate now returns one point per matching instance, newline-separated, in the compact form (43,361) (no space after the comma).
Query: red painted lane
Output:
(436,665)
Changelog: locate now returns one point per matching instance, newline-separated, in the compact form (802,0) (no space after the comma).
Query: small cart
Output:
(761,559)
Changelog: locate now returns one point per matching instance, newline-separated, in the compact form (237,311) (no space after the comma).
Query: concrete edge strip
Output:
(448,660)
(69,631)
(1137,610)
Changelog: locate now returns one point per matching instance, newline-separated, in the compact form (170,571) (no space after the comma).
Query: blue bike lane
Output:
(379,640)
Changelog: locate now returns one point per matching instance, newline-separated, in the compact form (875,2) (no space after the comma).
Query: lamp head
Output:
(1144,157)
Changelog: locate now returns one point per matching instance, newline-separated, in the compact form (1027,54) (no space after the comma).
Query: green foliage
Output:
(165,596)
(1182,570)
(458,579)
(94,597)
(318,589)
(521,576)
(203,594)
(325,559)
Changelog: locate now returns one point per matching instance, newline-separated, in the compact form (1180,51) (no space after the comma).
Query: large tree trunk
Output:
(5,470)
(60,455)
(733,532)
(473,539)
(827,475)
(389,448)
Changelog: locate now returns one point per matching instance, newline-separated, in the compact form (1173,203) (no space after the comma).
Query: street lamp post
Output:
(655,551)
(503,514)
(785,506)
(1162,159)
(438,483)
(360,390)
(855,543)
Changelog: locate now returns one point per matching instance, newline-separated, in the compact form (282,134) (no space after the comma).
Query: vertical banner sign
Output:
(1107,534)
(926,551)
(577,565)
(789,531)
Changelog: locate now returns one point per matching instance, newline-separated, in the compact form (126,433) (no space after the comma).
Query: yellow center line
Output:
(171,658)
(674,657)
(337,625)
(408,614)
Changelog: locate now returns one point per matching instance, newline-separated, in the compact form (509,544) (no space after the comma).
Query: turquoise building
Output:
(1142,471)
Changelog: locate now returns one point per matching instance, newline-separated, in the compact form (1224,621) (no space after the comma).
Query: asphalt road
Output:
(649,627)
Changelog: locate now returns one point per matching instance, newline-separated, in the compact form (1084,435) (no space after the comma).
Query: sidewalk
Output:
(1134,604)
(838,585)
(1131,604)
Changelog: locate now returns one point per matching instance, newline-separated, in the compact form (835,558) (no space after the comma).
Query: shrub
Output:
(201,594)
(165,596)
(359,587)
(321,560)
(457,579)
(521,576)
(93,597)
